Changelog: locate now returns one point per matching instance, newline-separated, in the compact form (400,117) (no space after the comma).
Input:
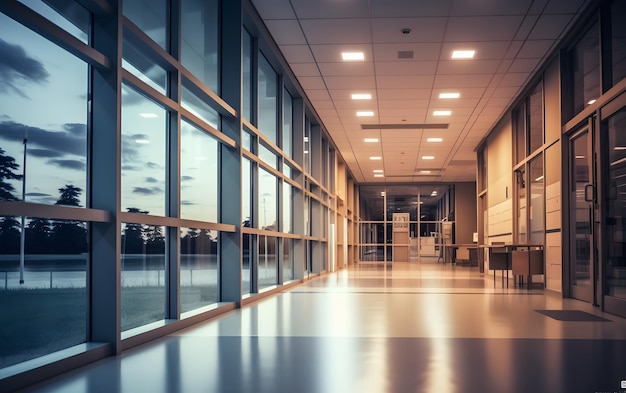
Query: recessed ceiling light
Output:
(148,115)
(361,96)
(442,113)
(539,178)
(424,171)
(379,175)
(593,101)
(619,148)
(376,158)
(428,157)
(434,140)
(463,54)
(365,113)
(378,171)
(370,140)
(352,56)
(449,95)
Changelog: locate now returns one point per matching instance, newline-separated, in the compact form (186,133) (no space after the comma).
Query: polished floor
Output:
(378,328)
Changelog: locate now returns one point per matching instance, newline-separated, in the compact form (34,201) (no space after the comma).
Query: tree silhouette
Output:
(9,235)
(38,234)
(133,235)
(69,237)
(69,195)
(7,168)
(188,242)
(155,240)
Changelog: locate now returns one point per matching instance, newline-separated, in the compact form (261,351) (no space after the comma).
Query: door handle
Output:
(590,193)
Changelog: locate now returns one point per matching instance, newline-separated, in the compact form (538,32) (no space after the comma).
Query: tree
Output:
(9,235)
(132,237)
(69,237)
(188,242)
(37,235)
(7,168)
(155,240)
(69,195)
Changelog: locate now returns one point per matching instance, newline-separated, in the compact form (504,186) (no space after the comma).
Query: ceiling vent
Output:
(405,54)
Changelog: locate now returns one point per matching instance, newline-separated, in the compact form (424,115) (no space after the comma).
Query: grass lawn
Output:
(36,322)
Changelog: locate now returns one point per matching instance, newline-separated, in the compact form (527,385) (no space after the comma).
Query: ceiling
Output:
(406,72)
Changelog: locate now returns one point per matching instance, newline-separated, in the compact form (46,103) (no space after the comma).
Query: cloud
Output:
(45,153)
(147,191)
(187,203)
(69,164)
(151,180)
(16,67)
(152,165)
(37,194)
(76,129)
(64,142)
(186,178)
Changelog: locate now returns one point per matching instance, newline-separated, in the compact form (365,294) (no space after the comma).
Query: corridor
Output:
(379,328)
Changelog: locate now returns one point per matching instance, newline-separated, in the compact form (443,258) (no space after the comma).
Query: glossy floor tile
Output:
(378,328)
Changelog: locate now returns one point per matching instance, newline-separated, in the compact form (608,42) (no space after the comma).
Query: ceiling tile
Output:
(394,8)
(415,81)
(297,53)
(275,9)
(489,7)
(389,30)
(286,32)
(467,67)
(550,27)
(348,68)
(527,25)
(482,28)
(305,69)
(350,82)
(331,8)
(332,53)
(486,50)
(565,7)
(535,49)
(312,82)
(458,81)
(385,93)
(405,67)
(336,31)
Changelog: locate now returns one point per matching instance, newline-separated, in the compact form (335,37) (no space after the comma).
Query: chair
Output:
(499,259)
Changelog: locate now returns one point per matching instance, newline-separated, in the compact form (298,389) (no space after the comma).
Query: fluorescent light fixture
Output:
(376,158)
(449,95)
(370,140)
(428,157)
(619,148)
(442,113)
(434,140)
(378,171)
(379,175)
(580,157)
(353,56)
(434,192)
(306,138)
(424,171)
(306,152)
(593,101)
(539,178)
(148,115)
(365,113)
(463,54)
(361,96)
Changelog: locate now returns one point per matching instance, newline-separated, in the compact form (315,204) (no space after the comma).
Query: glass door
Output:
(582,195)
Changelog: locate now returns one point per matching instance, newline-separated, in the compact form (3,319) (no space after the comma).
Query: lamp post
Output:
(23,232)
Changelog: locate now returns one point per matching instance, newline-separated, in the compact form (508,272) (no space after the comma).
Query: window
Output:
(268,99)
(200,40)
(268,187)
(143,154)
(535,119)
(287,123)
(618,40)
(199,262)
(199,181)
(43,113)
(584,58)
(151,16)
(247,99)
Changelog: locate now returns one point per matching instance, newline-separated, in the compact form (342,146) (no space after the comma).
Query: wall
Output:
(499,182)
(465,212)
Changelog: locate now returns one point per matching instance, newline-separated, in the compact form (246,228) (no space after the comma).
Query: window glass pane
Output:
(143,153)
(521,200)
(198,268)
(267,200)
(67,15)
(535,112)
(616,209)
(247,255)
(246,141)
(144,68)
(200,44)
(43,101)
(198,174)
(585,60)
(268,156)
(287,123)
(618,40)
(246,194)
(287,170)
(268,99)
(287,263)
(150,16)
(247,101)
(268,268)
(143,275)
(47,311)
(519,124)
(307,145)
(535,218)
(194,104)
(287,203)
